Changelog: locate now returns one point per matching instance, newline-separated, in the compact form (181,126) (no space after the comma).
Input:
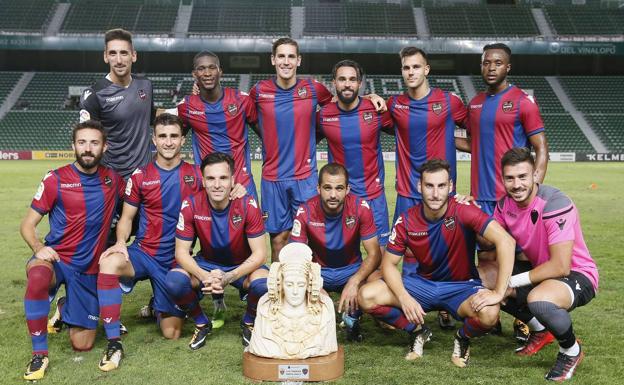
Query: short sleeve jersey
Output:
(425,129)
(126,114)
(158,193)
(223,234)
(442,250)
(549,219)
(335,241)
(221,127)
(497,123)
(353,138)
(81,208)
(287,119)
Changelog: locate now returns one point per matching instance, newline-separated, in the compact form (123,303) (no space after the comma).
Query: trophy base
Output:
(324,368)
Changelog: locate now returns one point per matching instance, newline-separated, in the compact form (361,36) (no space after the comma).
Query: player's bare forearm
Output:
(124,225)
(28,230)
(392,275)
(372,261)
(539,143)
(557,266)
(505,254)
(255,260)
(463,144)
(185,260)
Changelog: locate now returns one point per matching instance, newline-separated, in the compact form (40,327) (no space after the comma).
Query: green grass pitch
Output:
(378,360)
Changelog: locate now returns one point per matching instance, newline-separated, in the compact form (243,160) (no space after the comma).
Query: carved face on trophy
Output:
(294,319)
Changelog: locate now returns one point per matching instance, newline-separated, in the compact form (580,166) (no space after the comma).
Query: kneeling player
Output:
(560,276)
(81,199)
(441,275)
(233,248)
(155,192)
(333,223)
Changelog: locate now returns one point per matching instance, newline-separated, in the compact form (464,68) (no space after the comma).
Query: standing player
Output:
(425,119)
(441,235)
(123,102)
(500,118)
(333,223)
(81,199)
(562,275)
(353,127)
(287,108)
(155,193)
(233,248)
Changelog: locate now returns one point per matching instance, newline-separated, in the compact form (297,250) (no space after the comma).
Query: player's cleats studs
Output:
(112,356)
(218,317)
(122,328)
(418,338)
(199,336)
(36,367)
(55,323)
(247,332)
(535,343)
(352,326)
(461,351)
(445,320)
(147,311)
(564,367)
(521,331)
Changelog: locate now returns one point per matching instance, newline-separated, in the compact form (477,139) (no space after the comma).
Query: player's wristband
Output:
(520,280)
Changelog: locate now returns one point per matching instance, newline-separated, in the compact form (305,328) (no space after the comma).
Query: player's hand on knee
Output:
(348,297)
(46,253)
(483,298)
(238,191)
(119,248)
(412,309)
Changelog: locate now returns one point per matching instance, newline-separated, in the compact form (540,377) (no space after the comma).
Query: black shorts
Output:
(581,286)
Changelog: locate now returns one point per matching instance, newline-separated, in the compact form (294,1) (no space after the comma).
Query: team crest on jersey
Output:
(84,116)
(142,94)
(265,215)
(436,108)
(449,223)
(232,109)
(368,117)
(507,106)
(534,216)
(237,220)
(296,229)
(350,221)
(302,92)
(189,179)
(108,181)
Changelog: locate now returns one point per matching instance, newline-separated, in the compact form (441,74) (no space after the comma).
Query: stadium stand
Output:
(269,18)
(360,19)
(37,130)
(25,15)
(576,20)
(131,15)
(7,82)
(481,21)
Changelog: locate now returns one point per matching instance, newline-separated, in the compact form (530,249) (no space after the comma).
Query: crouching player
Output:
(441,234)
(333,223)
(561,274)
(81,199)
(233,248)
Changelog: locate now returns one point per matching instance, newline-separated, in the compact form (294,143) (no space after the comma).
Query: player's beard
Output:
(88,165)
(348,100)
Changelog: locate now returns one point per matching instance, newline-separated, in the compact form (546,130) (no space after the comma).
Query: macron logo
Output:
(107,319)
(86,94)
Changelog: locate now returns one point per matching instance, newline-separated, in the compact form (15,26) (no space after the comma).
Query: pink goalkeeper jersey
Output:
(550,219)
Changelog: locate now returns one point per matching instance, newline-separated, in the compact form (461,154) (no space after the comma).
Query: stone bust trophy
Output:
(294,319)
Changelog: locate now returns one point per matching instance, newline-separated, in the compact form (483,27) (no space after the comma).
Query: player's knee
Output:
(177,283)
(39,278)
(82,343)
(113,264)
(488,316)
(366,297)
(258,287)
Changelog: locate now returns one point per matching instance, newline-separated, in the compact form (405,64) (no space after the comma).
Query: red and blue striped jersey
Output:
(497,123)
(287,120)
(158,194)
(81,208)
(335,241)
(221,127)
(443,250)
(425,129)
(222,234)
(353,138)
